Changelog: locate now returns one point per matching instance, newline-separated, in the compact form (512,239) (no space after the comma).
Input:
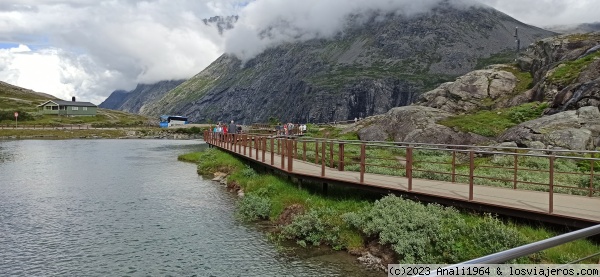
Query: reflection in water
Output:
(127,207)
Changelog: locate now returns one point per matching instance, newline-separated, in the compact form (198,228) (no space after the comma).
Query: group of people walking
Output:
(290,129)
(222,128)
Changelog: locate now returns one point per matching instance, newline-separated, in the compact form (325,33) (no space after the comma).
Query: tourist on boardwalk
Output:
(232,127)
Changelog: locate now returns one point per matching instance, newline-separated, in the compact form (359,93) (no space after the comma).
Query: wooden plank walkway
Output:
(571,210)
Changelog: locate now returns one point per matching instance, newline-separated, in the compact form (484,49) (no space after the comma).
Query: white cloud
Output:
(95,47)
(89,48)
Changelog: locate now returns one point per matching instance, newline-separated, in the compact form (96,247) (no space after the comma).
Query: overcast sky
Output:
(89,48)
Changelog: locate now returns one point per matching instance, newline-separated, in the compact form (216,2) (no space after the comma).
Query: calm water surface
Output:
(129,208)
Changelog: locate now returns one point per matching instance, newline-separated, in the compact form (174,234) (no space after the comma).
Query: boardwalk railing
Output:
(551,171)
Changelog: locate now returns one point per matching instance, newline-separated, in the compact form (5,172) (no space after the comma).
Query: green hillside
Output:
(17,99)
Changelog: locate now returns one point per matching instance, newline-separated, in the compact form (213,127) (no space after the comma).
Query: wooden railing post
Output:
(257,145)
(516,168)
(341,157)
(291,144)
(551,189)
(362,162)
(471,173)
(316,151)
(324,145)
(409,166)
(453,166)
(272,151)
(245,141)
(264,148)
(282,147)
(592,162)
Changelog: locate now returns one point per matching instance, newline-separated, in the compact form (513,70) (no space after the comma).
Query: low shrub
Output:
(314,227)
(431,233)
(253,207)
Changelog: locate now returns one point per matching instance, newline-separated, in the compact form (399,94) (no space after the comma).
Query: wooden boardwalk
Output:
(563,209)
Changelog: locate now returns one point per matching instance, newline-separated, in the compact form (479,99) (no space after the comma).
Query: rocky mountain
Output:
(367,69)
(222,23)
(562,73)
(135,101)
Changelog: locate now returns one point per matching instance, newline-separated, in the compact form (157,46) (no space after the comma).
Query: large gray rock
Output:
(571,130)
(471,92)
(415,124)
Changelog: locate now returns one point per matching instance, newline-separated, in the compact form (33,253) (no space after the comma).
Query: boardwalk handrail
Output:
(521,251)
(552,174)
(524,250)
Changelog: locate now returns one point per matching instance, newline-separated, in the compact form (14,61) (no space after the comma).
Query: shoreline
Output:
(12,134)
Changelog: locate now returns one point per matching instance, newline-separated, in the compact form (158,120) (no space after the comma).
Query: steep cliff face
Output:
(367,69)
(135,101)
(566,71)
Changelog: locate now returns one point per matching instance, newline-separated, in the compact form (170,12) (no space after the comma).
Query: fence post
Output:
(341,157)
(551,200)
(316,151)
(272,151)
(516,168)
(453,166)
(409,166)
(245,141)
(471,172)
(592,162)
(257,145)
(282,147)
(324,145)
(263,141)
(291,144)
(362,162)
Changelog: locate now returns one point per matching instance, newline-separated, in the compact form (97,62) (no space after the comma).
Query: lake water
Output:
(129,208)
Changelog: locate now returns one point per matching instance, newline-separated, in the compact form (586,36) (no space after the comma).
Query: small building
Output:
(68,108)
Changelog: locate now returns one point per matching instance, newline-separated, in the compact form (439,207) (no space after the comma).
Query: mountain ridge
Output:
(363,71)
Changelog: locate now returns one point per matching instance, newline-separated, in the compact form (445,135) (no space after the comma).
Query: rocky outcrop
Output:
(566,71)
(372,66)
(571,130)
(135,101)
(415,124)
(474,91)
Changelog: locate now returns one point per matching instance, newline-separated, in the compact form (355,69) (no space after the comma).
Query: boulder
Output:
(577,130)
(415,124)
(472,91)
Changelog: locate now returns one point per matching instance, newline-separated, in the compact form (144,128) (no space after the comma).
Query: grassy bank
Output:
(351,219)
(60,134)
(67,133)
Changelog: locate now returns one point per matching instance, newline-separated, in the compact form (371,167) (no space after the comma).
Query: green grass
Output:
(493,123)
(504,57)
(567,72)
(61,134)
(524,79)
